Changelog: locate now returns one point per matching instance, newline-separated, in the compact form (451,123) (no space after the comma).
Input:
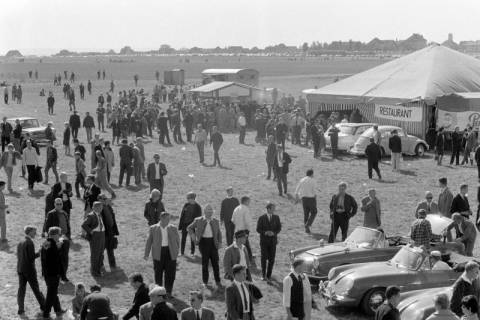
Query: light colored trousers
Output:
(9,172)
(396,160)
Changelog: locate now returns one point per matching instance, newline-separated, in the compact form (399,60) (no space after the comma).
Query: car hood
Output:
(327,249)
(371,269)
(34,129)
(417,305)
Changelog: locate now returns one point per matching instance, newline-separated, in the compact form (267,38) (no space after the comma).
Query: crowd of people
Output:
(134,117)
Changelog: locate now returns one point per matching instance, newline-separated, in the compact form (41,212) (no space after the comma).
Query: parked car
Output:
(32,126)
(349,133)
(411,145)
(364,245)
(363,285)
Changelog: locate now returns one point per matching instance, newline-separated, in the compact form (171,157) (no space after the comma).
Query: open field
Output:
(398,193)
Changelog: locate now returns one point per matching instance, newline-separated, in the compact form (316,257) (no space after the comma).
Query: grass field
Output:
(398,193)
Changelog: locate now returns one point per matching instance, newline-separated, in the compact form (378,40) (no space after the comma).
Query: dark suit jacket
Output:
(188,216)
(198,226)
(373,152)
(90,223)
(231,258)
(52,221)
(189,314)
(151,171)
(349,203)
(286,161)
(459,204)
(51,261)
(141,297)
(395,144)
(233,301)
(57,193)
(90,195)
(110,230)
(26,256)
(96,305)
(264,225)
(164,311)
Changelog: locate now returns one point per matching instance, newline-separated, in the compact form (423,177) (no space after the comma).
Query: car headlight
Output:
(344,286)
(330,274)
(316,263)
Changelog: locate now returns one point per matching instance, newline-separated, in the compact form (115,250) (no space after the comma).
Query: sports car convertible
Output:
(364,284)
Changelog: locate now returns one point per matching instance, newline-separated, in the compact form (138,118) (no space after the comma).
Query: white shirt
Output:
(246,297)
(99,227)
(306,187)
(243,260)
(208,233)
(199,313)
(287,286)
(280,159)
(164,236)
(64,188)
(241,121)
(440,265)
(157,171)
(242,218)
(30,157)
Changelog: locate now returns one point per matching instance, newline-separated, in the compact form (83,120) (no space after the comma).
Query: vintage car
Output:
(363,285)
(32,126)
(348,135)
(363,245)
(418,304)
(411,145)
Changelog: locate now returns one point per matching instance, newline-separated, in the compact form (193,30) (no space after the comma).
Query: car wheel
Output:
(420,150)
(372,300)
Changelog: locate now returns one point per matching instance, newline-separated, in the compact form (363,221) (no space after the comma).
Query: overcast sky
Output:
(45,26)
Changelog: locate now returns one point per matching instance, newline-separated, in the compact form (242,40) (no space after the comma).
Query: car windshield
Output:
(364,237)
(368,133)
(408,258)
(346,130)
(29,123)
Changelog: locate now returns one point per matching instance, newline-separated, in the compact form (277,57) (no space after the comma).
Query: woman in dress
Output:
(101,174)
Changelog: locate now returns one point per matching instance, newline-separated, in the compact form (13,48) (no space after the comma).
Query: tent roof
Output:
(218,85)
(222,71)
(425,74)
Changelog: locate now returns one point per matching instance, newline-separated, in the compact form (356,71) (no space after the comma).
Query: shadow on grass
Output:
(75,246)
(14,194)
(218,294)
(112,279)
(194,259)
(67,288)
(319,236)
(4,246)
(37,194)
(408,173)
(278,285)
(387,181)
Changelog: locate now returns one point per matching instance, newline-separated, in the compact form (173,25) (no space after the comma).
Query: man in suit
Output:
(268,226)
(371,207)
(51,163)
(430,206)
(333,133)
(91,193)
(465,285)
(374,155)
(162,125)
(96,305)
(460,203)
(440,145)
(216,139)
(163,310)
(456,146)
(465,231)
(59,218)
(52,270)
(155,172)
(156,295)
(205,232)
(153,207)
(445,198)
(239,296)
(163,241)
(226,211)
(95,234)
(196,311)
(395,145)
(111,229)
(63,190)
(190,211)
(26,271)
(342,207)
(126,158)
(236,253)
(141,296)
(270,156)
(280,165)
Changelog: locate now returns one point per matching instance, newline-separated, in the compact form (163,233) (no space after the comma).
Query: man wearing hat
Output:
(465,231)
(297,293)
(157,294)
(95,234)
(436,261)
(268,226)
(239,295)
(52,270)
(155,172)
(236,253)
(421,230)
(163,241)
(428,205)
(26,271)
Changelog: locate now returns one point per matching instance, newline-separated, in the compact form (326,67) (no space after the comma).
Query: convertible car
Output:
(364,284)
(363,245)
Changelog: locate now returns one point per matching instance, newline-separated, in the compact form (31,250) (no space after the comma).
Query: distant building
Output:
(13,54)
(450,43)
(382,45)
(246,76)
(413,43)
(469,46)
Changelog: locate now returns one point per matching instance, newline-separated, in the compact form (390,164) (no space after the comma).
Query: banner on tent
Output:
(398,113)
(449,120)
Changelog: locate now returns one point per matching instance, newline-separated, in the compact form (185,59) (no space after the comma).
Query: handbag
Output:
(38,174)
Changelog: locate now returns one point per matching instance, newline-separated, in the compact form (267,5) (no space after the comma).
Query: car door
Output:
(406,142)
(428,278)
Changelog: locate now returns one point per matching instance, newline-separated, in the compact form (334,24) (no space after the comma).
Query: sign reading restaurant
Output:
(398,113)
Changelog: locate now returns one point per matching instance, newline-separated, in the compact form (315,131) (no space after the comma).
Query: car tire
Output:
(372,300)
(420,150)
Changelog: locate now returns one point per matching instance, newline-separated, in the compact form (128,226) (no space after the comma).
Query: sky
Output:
(47,26)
